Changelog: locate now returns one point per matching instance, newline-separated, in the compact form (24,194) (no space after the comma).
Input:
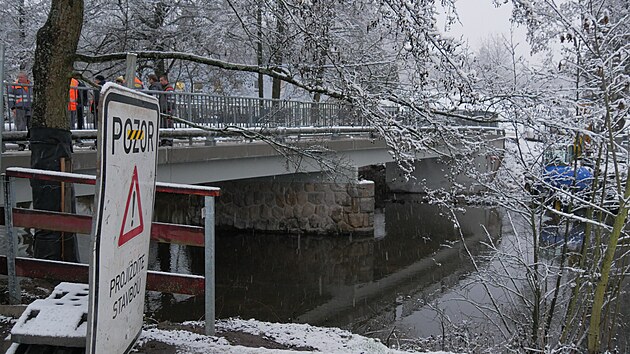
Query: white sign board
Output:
(125,186)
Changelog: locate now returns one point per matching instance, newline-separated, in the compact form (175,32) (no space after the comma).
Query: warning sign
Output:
(125,189)
(132,224)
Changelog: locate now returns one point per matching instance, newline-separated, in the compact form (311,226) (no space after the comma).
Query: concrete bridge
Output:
(271,187)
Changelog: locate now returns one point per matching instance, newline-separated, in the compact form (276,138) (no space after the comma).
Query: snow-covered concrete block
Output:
(60,319)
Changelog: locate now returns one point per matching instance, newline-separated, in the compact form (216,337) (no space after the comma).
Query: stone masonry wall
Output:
(309,207)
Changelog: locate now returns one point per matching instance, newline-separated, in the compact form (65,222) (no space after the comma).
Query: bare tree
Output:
(576,100)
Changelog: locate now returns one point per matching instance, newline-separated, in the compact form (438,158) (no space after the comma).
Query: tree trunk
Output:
(160,11)
(54,56)
(22,32)
(594,329)
(51,140)
(278,56)
(259,53)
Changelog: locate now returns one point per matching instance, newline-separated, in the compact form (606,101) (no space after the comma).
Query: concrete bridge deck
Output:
(226,160)
(198,161)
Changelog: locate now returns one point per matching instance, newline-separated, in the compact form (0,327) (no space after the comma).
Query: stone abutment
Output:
(307,204)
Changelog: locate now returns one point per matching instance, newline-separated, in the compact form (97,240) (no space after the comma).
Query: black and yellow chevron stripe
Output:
(133,134)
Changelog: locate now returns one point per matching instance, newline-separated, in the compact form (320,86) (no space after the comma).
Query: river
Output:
(365,284)
(423,274)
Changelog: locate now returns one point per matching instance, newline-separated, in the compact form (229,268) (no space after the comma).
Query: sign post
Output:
(125,187)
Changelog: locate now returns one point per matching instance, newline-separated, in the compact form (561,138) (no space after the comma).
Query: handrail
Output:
(221,111)
(44,175)
(202,108)
(185,235)
(14,266)
(78,273)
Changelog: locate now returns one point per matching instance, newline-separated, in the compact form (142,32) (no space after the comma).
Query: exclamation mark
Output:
(133,207)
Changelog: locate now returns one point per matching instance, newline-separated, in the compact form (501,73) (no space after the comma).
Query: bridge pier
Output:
(306,203)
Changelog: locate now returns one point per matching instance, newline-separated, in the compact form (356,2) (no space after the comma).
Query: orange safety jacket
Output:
(18,87)
(74,95)
(137,84)
(17,93)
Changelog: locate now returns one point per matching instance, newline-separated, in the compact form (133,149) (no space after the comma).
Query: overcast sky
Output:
(480,19)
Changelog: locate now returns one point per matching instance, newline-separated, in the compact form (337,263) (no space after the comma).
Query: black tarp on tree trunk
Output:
(51,149)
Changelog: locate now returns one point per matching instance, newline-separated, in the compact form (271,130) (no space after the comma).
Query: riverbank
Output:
(232,335)
(237,336)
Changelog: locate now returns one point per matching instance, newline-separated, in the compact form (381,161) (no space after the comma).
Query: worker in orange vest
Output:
(137,83)
(74,102)
(20,101)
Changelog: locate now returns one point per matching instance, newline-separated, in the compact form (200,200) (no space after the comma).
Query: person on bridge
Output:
(167,107)
(20,100)
(72,105)
(99,81)
(154,83)
(82,101)
(137,83)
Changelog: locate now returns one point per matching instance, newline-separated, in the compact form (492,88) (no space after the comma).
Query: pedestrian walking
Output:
(156,87)
(20,101)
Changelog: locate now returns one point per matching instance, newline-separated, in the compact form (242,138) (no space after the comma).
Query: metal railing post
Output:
(209,264)
(9,204)
(189,103)
(210,141)
(2,101)
(130,71)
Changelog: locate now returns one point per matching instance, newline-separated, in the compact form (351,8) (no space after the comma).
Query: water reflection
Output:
(355,283)
(421,255)
(362,284)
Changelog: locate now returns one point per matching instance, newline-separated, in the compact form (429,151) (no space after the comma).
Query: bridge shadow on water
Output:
(342,281)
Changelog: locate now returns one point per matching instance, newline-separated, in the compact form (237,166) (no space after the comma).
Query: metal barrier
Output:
(246,112)
(219,111)
(14,266)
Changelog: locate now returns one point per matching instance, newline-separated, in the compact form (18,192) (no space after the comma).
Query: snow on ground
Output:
(321,340)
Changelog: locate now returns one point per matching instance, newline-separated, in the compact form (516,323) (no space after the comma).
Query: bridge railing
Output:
(15,267)
(213,110)
(247,112)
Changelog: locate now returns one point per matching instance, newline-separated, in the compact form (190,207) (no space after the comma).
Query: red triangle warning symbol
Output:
(132,224)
